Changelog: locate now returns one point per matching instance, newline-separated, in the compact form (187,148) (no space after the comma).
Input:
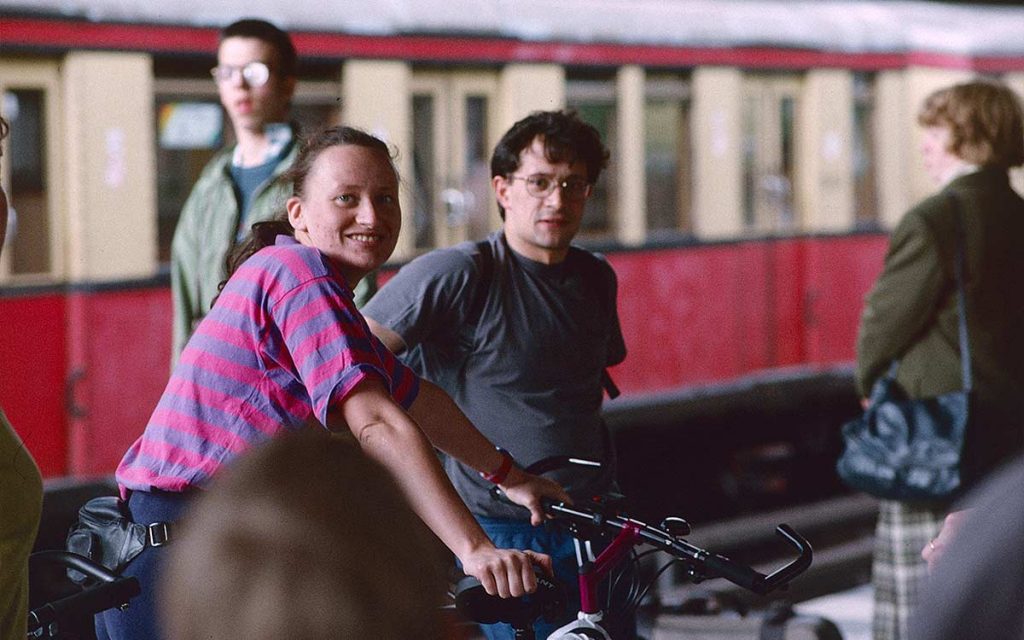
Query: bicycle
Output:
(61,618)
(599,519)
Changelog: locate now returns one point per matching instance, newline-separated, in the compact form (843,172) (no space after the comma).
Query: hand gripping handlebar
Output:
(702,563)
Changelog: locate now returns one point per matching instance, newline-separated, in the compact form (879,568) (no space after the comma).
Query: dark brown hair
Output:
(264,234)
(566,138)
(984,120)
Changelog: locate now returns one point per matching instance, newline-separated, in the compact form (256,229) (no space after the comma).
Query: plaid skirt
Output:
(898,571)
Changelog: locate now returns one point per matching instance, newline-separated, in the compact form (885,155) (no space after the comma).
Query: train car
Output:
(760,151)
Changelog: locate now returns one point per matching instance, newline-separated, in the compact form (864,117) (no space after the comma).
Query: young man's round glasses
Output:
(255,74)
(541,186)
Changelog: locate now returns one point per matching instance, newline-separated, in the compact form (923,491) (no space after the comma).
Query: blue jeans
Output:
(138,621)
(554,541)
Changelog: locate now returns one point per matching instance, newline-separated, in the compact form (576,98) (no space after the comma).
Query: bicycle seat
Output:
(474,603)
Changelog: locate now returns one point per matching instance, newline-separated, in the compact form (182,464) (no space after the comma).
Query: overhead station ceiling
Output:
(837,25)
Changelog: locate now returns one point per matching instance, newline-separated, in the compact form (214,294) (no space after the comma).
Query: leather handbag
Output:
(106,534)
(910,449)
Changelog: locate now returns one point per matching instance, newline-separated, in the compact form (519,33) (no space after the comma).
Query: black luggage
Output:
(779,622)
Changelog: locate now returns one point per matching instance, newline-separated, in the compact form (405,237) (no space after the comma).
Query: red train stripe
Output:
(64,34)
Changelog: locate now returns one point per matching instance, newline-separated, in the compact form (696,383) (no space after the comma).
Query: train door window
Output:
(667,155)
(453,133)
(425,177)
(192,127)
(30,171)
(593,97)
(865,186)
(769,105)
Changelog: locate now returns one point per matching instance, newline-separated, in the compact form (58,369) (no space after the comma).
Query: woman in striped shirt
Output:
(284,349)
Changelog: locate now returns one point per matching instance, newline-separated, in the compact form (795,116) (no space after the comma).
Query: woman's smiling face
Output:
(349,209)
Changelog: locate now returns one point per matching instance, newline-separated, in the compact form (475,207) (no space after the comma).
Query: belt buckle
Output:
(158,534)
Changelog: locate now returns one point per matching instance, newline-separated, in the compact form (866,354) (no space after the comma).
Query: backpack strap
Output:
(485,268)
(484,259)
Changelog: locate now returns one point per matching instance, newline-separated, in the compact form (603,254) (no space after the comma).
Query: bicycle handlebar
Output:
(702,562)
(112,590)
(667,537)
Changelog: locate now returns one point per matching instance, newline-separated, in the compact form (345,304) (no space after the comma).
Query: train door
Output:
(769,107)
(33,355)
(453,121)
(31,104)
(191,127)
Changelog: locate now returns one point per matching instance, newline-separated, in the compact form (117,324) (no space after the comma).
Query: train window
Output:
(183,151)
(29,232)
(667,155)
(476,152)
(769,107)
(865,186)
(594,100)
(452,135)
(424,170)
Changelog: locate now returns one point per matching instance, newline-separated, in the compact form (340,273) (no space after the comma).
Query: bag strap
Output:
(958,269)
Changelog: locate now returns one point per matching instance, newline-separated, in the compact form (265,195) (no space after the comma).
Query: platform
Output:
(850,610)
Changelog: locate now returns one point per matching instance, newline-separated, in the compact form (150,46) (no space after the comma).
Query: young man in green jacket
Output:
(255,76)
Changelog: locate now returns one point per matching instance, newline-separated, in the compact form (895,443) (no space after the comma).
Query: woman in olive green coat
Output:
(972,136)
(21,500)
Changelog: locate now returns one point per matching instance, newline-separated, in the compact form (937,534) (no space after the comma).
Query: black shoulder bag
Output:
(106,534)
(910,450)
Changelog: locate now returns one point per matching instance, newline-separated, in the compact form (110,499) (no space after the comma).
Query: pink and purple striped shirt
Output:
(283,343)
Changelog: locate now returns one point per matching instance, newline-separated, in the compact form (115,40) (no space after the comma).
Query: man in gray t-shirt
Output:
(519,328)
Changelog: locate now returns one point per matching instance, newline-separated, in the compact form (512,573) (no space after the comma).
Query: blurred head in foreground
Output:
(304,537)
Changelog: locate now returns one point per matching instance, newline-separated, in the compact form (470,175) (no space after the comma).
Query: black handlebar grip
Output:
(735,573)
(103,596)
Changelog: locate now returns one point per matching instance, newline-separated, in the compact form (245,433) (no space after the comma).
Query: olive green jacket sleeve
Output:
(21,499)
(903,301)
(911,312)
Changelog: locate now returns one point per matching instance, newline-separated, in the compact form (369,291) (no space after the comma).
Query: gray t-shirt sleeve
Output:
(421,302)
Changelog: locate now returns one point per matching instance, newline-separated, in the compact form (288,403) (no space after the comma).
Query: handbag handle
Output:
(961,306)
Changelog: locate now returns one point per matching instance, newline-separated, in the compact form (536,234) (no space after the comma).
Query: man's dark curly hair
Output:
(566,138)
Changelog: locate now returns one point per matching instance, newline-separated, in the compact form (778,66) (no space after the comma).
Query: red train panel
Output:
(83,371)
(32,372)
(118,362)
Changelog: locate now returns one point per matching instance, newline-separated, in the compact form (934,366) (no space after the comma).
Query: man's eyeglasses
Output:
(541,186)
(255,74)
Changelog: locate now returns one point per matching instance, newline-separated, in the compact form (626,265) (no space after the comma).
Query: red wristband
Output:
(498,475)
